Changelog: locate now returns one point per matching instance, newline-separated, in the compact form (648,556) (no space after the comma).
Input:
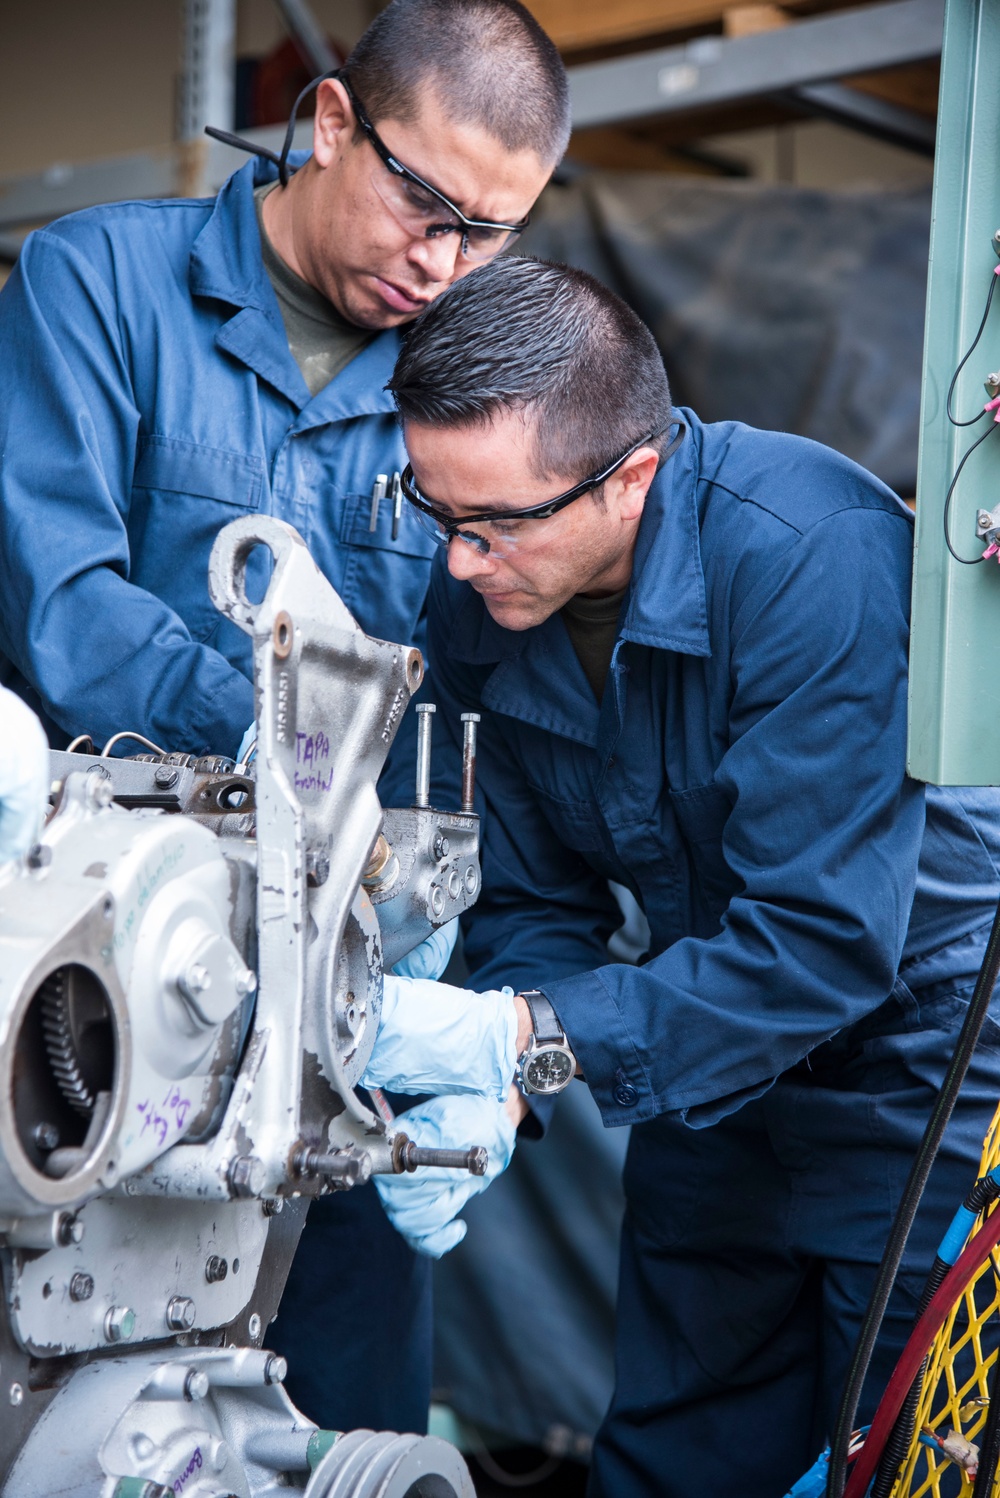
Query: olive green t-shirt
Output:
(592,626)
(322,342)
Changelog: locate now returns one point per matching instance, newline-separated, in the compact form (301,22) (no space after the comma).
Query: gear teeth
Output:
(59,1043)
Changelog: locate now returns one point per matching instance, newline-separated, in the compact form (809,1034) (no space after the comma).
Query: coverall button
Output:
(626,1096)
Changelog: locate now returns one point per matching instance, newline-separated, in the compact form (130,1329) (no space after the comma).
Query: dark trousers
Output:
(749,1250)
(355,1320)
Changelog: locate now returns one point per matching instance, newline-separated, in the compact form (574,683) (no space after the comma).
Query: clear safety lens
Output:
(501,539)
(423,215)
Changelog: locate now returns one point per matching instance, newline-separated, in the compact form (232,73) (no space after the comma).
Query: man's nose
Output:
(437,257)
(466,562)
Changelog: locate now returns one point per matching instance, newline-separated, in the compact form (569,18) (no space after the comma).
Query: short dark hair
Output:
(548,341)
(489,61)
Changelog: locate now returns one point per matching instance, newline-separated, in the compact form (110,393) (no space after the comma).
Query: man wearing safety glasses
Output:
(170,366)
(688,647)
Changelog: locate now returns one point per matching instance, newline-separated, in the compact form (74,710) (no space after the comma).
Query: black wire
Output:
(972,347)
(965,561)
(989,1449)
(912,1192)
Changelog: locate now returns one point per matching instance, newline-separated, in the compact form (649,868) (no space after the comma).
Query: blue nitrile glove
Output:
(430,959)
(435,1038)
(424,1206)
(247,743)
(24,776)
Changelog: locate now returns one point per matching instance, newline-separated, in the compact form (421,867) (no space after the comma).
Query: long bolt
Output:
(469,761)
(346,1170)
(423,795)
(475,1160)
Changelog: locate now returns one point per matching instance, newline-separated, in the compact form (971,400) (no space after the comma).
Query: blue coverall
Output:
(148,396)
(817,922)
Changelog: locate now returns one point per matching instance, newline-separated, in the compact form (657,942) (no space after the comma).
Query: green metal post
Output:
(954,732)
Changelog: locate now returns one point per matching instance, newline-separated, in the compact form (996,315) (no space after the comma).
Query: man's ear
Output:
(633,480)
(334,123)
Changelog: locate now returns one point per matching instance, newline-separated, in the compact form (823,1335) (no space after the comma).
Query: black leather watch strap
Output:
(544,1020)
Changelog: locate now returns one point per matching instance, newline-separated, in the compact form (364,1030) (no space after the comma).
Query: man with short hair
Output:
(170,366)
(688,647)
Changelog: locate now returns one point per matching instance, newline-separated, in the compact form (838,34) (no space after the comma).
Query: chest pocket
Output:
(577,824)
(385,580)
(702,814)
(182,496)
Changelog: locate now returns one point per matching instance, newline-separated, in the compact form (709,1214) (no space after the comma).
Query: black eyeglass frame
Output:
(453,527)
(385,156)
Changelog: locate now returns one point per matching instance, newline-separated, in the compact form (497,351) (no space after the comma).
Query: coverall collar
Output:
(226,264)
(538,678)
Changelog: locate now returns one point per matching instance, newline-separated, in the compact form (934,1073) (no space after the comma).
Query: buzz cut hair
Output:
(549,343)
(488,61)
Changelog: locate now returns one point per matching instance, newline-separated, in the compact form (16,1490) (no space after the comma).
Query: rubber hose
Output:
(898,1443)
(927,1150)
(989,1451)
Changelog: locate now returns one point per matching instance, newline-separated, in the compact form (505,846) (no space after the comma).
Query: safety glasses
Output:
(419,208)
(500,531)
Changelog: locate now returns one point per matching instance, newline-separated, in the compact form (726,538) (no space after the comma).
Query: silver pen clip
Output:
(378,494)
(397,505)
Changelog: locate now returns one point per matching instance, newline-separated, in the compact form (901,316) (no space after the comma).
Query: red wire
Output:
(954,1284)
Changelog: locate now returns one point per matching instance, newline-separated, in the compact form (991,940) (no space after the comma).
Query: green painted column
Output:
(954,725)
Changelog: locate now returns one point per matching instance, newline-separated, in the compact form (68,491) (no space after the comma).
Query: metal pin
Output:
(413,1156)
(423,795)
(469,761)
(378,494)
(397,505)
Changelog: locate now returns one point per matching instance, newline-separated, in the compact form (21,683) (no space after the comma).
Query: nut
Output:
(180,1313)
(246,1176)
(119,1324)
(275,1370)
(196,1385)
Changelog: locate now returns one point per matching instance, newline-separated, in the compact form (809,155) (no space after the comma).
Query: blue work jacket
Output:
(148,396)
(743,776)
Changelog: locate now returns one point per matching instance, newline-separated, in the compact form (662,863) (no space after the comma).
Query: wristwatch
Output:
(547,1065)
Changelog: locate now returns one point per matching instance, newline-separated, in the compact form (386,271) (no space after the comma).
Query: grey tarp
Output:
(786,308)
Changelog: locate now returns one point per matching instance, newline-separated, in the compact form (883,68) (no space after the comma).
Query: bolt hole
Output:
(46,1289)
(236,1266)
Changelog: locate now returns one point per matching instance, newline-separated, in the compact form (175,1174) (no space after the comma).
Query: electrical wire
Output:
(989,1448)
(994,277)
(139,739)
(889,1267)
(965,561)
(957,1281)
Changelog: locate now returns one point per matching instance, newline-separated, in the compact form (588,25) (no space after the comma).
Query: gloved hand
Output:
(430,959)
(424,1206)
(247,743)
(435,1038)
(24,776)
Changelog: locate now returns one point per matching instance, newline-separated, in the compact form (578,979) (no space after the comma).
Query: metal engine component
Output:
(190,984)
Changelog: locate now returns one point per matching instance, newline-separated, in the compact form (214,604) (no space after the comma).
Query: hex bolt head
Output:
(254,1327)
(70,1229)
(164,777)
(100,792)
(272,1205)
(16,1395)
(38,856)
(246,1176)
(119,1324)
(275,1370)
(81,1286)
(216,1269)
(45,1136)
(984,518)
(441,846)
(196,1385)
(196,979)
(317,867)
(180,1313)
(246,983)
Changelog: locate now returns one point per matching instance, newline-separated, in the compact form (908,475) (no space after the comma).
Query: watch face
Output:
(548,1070)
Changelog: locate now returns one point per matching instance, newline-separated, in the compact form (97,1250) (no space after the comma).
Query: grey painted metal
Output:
(163,1216)
(208,77)
(39,197)
(869,114)
(710,71)
(954,693)
(308,35)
